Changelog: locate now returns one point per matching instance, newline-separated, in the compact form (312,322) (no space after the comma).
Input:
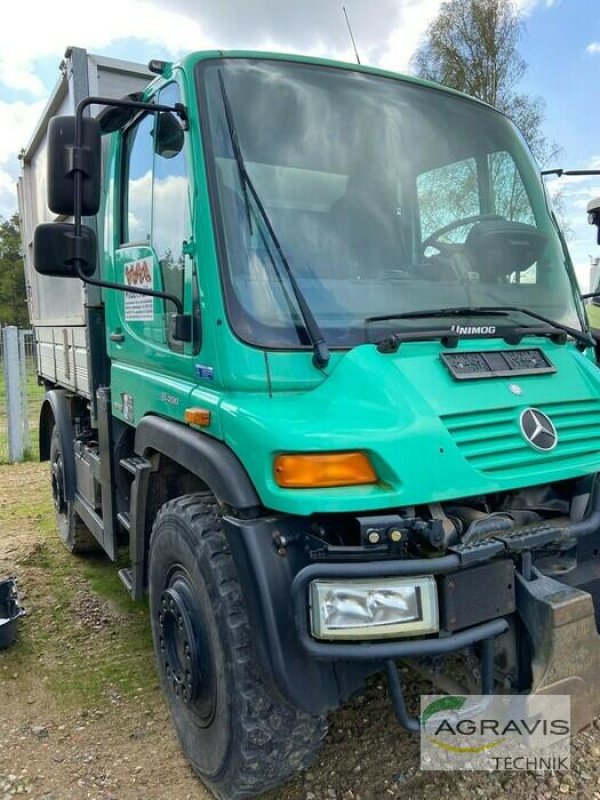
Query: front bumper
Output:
(369,651)
(557,620)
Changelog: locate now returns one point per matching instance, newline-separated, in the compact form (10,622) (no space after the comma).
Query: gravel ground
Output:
(81,715)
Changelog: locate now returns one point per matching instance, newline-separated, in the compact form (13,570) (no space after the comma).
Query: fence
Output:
(19,395)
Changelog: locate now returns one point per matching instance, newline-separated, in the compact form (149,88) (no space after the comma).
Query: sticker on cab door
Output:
(139,274)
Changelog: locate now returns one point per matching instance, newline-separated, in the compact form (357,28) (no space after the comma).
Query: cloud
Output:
(593,48)
(17,121)
(173,31)
(401,43)
(188,25)
(526,7)
(231,23)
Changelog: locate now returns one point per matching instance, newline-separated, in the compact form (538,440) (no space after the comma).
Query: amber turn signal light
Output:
(319,470)
(197,416)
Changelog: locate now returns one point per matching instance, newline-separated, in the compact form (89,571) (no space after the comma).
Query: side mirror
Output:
(593,210)
(181,327)
(63,156)
(169,135)
(56,248)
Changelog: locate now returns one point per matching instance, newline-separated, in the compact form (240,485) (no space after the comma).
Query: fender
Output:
(266,579)
(207,458)
(56,409)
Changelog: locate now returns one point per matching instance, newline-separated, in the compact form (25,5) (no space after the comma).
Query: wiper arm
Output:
(583,338)
(451,338)
(317,340)
(485,311)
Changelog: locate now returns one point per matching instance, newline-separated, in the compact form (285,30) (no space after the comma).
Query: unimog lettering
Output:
(474,330)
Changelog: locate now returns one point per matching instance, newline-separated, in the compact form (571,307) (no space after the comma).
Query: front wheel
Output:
(239,737)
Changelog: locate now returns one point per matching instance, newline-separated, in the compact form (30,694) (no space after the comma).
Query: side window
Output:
(170,202)
(156,213)
(510,197)
(511,201)
(137,208)
(448,194)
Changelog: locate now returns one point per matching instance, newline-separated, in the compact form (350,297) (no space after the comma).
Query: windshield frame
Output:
(233,308)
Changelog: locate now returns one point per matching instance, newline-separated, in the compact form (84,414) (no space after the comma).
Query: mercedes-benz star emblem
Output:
(538,430)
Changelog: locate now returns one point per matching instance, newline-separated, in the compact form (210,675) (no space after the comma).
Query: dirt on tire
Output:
(82,715)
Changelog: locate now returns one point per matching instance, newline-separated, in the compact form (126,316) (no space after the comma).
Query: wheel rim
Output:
(186,657)
(58,484)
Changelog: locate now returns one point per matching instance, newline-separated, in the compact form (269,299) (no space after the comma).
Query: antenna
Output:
(351,35)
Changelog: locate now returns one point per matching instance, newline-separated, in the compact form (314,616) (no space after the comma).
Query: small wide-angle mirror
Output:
(593,211)
(55,246)
(168,135)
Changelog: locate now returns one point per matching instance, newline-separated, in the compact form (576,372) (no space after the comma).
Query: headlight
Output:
(374,609)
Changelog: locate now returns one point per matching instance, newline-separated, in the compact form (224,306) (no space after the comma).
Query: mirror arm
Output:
(78,165)
(560,172)
(181,112)
(78,153)
(132,289)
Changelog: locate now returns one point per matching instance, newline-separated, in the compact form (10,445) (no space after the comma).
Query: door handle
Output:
(117,337)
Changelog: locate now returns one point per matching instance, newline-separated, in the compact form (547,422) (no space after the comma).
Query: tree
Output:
(13,298)
(473,46)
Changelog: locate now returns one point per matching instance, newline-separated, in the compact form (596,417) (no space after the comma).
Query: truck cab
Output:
(343,406)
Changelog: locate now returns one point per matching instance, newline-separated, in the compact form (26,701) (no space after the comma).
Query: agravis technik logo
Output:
(492,732)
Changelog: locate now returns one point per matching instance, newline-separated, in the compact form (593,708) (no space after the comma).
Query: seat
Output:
(499,248)
(364,235)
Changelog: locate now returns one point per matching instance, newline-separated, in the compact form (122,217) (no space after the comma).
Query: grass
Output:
(83,665)
(83,633)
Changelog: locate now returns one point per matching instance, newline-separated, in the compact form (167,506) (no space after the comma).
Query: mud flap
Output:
(566,646)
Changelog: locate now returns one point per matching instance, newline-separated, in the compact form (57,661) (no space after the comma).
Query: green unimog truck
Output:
(316,360)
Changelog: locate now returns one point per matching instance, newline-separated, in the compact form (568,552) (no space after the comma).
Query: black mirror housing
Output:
(63,156)
(593,211)
(181,327)
(56,249)
(169,135)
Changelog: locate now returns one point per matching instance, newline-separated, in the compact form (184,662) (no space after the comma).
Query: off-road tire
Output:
(72,530)
(240,737)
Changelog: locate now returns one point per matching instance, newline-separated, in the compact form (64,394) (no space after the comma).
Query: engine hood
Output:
(430,437)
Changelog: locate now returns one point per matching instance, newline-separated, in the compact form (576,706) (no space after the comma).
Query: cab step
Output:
(123,518)
(126,577)
(134,464)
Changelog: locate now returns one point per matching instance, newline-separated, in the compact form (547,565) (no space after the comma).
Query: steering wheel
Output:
(432,239)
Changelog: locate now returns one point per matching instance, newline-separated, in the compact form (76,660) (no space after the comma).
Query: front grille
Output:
(491,441)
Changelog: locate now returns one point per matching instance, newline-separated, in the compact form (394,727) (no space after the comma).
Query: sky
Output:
(560,43)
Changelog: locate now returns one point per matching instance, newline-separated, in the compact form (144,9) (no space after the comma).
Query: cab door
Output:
(151,370)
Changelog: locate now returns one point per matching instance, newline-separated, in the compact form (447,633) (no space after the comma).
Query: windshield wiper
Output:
(317,340)
(485,311)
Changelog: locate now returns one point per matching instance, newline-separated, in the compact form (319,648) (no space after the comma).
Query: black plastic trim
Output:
(363,651)
(108,471)
(207,458)
(266,579)
(318,676)
(57,400)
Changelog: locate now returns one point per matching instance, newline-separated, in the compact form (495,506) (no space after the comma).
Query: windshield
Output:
(385,197)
